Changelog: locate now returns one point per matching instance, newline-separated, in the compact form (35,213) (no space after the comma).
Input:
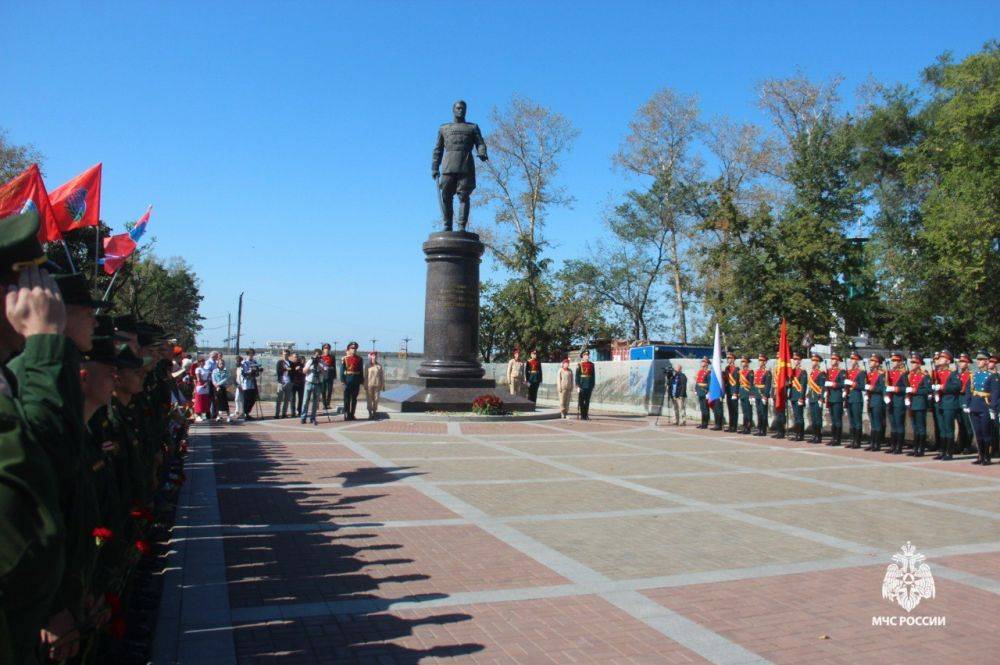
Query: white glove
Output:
(829,384)
(802,402)
(848,382)
(909,389)
(937,398)
(993,415)
(935,387)
(906,401)
(888,400)
(890,389)
(966,410)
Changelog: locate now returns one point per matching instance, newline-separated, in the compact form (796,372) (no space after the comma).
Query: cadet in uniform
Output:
(854,385)
(834,386)
(746,388)
(964,421)
(933,407)
(731,377)
(533,373)
(896,382)
(983,402)
(948,399)
(875,392)
(32,546)
(585,380)
(797,388)
(917,394)
(761,392)
(701,391)
(352,369)
(515,374)
(814,395)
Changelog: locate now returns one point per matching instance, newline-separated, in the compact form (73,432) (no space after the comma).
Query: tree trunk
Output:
(678,288)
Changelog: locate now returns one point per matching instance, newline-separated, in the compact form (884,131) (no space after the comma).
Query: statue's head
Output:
(458,108)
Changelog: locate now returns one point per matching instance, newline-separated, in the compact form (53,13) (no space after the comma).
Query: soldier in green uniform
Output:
(701,392)
(855,380)
(875,393)
(32,532)
(834,387)
(896,381)
(586,379)
(761,392)
(64,445)
(731,379)
(964,420)
(746,392)
(918,391)
(815,395)
(797,387)
(933,407)
(949,403)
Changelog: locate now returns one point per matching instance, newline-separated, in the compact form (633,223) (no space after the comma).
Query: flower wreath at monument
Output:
(488,405)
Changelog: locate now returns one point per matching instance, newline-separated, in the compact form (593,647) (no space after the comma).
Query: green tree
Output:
(15,158)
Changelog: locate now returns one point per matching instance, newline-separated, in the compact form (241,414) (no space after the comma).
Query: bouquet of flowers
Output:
(488,405)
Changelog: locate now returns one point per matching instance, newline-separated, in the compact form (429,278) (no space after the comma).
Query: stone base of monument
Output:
(422,394)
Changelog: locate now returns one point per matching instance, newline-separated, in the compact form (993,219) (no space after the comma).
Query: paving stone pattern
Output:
(609,541)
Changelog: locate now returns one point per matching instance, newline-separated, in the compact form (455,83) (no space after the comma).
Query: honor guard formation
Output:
(960,400)
(92,441)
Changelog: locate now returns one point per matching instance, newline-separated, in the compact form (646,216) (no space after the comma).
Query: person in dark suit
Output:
(678,395)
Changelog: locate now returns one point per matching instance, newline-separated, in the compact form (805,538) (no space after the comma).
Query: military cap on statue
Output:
(19,246)
(126,323)
(76,291)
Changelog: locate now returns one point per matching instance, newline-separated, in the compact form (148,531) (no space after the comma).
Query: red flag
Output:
(78,203)
(117,249)
(25,190)
(783,370)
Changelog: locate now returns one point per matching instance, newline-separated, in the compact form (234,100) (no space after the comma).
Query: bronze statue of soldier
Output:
(453,167)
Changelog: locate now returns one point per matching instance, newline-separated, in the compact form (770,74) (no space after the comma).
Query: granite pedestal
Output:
(451,377)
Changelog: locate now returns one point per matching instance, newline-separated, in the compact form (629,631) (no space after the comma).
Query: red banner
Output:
(25,188)
(78,203)
(783,370)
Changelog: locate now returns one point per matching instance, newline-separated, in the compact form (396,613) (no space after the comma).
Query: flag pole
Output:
(69,257)
(97,249)
(107,291)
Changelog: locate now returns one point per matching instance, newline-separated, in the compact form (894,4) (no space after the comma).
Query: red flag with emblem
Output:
(783,371)
(78,203)
(28,190)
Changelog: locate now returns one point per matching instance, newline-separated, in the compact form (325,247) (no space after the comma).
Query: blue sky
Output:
(286,145)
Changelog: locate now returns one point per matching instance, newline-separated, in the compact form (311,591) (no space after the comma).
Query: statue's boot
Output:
(463,213)
(448,206)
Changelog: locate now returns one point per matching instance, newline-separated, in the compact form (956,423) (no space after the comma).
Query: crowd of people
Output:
(960,398)
(302,384)
(92,445)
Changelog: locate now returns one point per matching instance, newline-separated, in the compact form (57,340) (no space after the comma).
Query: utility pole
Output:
(239,322)
(373,343)
(229,331)
(406,347)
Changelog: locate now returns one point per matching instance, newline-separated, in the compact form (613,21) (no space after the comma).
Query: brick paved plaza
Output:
(568,542)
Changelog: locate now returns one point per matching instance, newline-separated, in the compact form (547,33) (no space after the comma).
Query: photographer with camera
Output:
(251,370)
(314,371)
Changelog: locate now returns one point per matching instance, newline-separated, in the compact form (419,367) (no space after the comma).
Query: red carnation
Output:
(102,534)
(143,547)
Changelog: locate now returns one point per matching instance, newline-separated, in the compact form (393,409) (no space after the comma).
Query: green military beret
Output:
(75,290)
(103,352)
(19,246)
(128,359)
(126,323)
